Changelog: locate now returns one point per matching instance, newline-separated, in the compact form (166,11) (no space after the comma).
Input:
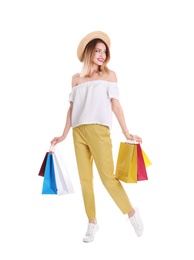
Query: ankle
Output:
(131,213)
(93,221)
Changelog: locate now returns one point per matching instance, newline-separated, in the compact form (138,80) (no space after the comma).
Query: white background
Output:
(153,56)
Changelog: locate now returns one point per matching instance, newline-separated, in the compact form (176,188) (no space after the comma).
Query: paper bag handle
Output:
(51,148)
(131,142)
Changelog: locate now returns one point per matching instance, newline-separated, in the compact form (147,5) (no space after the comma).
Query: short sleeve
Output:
(71,96)
(113,90)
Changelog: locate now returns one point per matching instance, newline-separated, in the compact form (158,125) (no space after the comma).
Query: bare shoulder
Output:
(75,79)
(112,77)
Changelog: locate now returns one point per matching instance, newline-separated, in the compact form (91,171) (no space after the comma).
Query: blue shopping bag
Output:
(49,182)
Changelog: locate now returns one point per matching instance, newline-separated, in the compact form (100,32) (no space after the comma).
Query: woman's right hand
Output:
(57,140)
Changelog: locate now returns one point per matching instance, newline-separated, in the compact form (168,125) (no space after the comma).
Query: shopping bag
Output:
(131,166)
(49,182)
(56,177)
(43,166)
(63,181)
(141,168)
(146,159)
(126,167)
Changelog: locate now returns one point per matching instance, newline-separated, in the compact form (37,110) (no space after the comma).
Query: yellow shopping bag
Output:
(146,159)
(126,167)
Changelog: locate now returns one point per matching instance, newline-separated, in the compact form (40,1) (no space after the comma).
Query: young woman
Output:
(93,99)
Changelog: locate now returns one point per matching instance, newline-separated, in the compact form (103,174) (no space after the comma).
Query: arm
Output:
(67,127)
(118,111)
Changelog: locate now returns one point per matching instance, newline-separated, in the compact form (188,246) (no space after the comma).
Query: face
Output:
(99,54)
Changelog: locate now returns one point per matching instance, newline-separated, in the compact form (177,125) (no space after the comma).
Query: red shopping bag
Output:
(141,168)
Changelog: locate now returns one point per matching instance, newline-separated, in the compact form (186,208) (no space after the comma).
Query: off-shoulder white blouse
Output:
(92,102)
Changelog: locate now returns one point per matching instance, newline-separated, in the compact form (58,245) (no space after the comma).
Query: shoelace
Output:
(90,230)
(134,222)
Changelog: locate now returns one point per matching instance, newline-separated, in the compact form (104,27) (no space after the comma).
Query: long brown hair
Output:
(87,59)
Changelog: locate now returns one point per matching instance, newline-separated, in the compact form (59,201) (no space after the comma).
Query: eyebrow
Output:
(100,49)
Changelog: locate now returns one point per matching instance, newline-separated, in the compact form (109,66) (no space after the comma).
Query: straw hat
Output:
(89,37)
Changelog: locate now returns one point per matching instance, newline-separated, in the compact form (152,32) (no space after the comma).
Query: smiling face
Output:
(95,58)
(99,55)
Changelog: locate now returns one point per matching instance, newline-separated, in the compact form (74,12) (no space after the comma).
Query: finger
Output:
(53,142)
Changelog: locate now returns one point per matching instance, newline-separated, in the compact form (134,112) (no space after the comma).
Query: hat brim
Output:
(89,37)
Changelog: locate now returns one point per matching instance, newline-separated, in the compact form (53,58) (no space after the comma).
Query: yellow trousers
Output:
(92,142)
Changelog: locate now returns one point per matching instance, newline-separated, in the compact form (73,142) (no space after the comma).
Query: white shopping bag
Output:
(63,181)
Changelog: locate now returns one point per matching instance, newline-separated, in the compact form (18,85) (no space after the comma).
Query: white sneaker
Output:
(90,233)
(137,223)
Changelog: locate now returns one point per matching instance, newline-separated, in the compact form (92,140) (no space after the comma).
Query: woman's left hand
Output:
(131,137)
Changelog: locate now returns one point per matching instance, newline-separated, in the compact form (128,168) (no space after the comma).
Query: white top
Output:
(92,102)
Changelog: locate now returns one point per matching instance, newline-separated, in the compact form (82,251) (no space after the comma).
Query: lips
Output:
(100,60)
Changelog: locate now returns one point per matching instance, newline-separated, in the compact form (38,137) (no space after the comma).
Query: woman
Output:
(93,98)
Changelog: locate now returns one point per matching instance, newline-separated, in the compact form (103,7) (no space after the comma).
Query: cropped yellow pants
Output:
(92,142)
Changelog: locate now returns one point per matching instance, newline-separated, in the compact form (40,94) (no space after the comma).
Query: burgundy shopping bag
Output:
(43,166)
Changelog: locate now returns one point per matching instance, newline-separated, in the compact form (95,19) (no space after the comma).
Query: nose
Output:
(103,54)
